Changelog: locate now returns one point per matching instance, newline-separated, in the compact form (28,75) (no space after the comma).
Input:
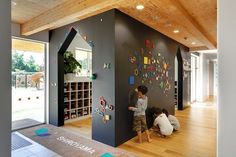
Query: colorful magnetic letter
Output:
(131,80)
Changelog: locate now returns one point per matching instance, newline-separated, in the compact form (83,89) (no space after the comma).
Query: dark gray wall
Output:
(102,33)
(114,35)
(41,36)
(5,77)
(130,36)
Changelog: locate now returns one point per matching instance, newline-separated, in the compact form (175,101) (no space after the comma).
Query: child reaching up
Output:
(139,121)
(173,120)
(161,123)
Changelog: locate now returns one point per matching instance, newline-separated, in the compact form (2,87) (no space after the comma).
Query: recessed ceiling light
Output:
(176,31)
(193,43)
(140,7)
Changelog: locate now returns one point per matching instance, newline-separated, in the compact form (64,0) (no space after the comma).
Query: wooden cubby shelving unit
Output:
(77,100)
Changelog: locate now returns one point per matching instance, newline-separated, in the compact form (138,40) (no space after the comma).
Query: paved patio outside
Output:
(28,103)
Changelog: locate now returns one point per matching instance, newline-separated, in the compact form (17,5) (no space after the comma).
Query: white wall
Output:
(211,78)
(5,78)
(227,78)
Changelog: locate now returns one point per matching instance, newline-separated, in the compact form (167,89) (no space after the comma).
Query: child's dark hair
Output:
(166,112)
(157,111)
(143,89)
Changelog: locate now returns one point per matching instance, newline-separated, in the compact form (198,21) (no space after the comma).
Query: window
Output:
(84,57)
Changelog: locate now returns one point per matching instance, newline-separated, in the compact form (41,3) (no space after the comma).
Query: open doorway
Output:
(194,76)
(78,89)
(28,83)
(213,77)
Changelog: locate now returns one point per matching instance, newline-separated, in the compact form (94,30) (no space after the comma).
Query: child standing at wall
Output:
(139,121)
(161,123)
(173,120)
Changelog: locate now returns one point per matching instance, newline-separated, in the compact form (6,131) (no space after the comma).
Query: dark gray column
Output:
(5,78)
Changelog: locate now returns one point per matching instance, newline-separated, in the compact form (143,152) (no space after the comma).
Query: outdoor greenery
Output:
(71,65)
(19,64)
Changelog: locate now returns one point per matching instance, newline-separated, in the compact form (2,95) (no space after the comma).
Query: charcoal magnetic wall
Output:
(115,35)
(100,35)
(56,114)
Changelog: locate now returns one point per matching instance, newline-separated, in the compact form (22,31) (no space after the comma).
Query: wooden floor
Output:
(196,138)
(81,127)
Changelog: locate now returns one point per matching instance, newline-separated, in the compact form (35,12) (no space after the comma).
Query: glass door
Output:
(28,83)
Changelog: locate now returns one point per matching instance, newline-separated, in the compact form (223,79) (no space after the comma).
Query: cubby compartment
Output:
(66,115)
(66,87)
(86,103)
(80,86)
(66,106)
(90,93)
(86,85)
(77,100)
(86,94)
(80,112)
(73,114)
(80,103)
(86,111)
(90,85)
(80,94)
(73,105)
(73,96)
(90,110)
(66,97)
(73,86)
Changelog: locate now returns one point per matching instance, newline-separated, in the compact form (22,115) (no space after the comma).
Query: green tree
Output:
(18,63)
(31,66)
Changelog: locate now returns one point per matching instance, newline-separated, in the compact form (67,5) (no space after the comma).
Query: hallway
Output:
(196,138)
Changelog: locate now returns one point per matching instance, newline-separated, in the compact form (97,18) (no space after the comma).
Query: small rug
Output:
(68,144)
(18,142)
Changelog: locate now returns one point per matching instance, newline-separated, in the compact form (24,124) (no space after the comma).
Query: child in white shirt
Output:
(161,123)
(173,120)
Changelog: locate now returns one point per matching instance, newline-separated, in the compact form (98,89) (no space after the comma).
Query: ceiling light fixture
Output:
(140,7)
(193,43)
(176,31)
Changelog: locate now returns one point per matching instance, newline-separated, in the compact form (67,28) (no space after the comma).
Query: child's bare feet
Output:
(149,140)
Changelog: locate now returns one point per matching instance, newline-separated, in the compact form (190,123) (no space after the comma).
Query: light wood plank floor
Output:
(196,138)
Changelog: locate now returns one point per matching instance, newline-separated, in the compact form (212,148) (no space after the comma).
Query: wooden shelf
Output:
(77,100)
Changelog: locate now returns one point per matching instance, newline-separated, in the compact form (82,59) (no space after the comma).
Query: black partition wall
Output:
(126,53)
(99,31)
(56,116)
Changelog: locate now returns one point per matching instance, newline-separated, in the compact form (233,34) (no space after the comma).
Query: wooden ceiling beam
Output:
(191,22)
(196,49)
(66,13)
